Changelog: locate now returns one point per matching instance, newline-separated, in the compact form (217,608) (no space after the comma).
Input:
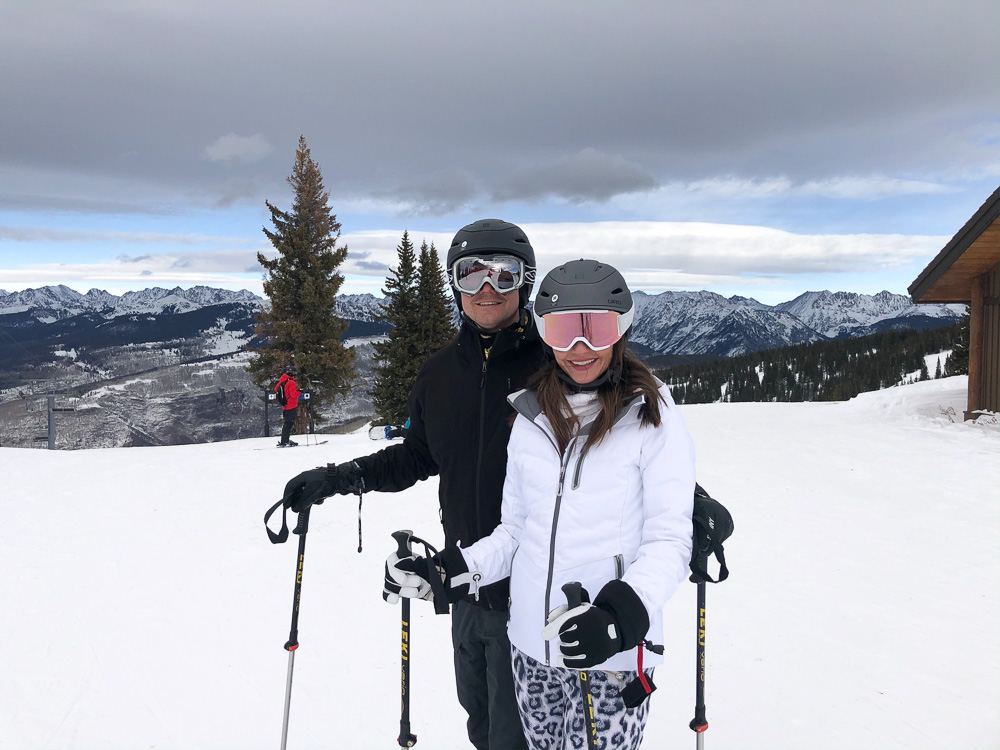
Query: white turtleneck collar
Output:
(584,405)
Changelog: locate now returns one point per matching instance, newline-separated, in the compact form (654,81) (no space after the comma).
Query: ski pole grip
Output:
(573,591)
(403,538)
(303,525)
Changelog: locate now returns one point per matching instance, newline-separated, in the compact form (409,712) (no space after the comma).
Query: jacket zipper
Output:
(479,457)
(563,463)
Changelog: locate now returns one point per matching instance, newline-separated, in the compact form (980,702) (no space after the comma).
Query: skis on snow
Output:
(385,432)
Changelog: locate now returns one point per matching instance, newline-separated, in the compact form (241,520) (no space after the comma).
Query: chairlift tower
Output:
(51,410)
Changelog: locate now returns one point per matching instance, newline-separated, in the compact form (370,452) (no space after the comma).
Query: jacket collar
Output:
(513,337)
(525,403)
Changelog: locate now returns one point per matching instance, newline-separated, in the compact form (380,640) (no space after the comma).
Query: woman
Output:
(600,479)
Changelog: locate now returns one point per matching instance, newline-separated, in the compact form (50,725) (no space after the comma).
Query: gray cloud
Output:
(35,234)
(441,192)
(371,265)
(119,106)
(585,176)
(232,147)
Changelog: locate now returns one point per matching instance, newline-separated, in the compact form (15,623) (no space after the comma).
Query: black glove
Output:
(592,633)
(315,485)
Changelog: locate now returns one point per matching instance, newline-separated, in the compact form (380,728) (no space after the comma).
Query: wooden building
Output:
(968,270)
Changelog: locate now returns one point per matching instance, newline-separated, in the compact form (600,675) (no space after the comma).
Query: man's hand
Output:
(312,487)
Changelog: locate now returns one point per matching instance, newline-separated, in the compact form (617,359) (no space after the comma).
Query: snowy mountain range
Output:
(687,323)
(705,323)
(50,303)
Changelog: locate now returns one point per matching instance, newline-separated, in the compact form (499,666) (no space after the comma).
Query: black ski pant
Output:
(289,420)
(484,677)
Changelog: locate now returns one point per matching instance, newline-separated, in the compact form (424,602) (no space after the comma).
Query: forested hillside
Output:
(821,371)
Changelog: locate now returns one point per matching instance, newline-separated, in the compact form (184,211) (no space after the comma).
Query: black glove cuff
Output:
(621,601)
(347,478)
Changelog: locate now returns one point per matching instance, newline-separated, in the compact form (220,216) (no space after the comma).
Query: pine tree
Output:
(302,282)
(434,303)
(398,358)
(958,362)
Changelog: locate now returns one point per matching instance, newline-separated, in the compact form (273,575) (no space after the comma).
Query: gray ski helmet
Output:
(493,237)
(584,285)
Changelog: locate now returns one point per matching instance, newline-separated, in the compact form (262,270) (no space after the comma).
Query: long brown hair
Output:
(635,379)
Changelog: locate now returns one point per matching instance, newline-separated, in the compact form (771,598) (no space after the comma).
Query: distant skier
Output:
(288,396)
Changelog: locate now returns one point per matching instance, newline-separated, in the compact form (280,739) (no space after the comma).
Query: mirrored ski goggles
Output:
(598,329)
(504,273)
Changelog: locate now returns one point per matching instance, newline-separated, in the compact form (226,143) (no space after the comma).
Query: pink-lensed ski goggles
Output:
(598,329)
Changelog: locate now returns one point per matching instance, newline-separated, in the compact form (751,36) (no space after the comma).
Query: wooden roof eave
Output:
(936,284)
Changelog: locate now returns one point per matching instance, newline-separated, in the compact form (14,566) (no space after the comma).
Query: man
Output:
(459,427)
(288,386)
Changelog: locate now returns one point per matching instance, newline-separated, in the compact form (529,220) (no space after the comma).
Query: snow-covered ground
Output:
(142,606)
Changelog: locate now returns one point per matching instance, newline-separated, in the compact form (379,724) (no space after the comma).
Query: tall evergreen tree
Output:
(434,303)
(302,282)
(398,358)
(958,362)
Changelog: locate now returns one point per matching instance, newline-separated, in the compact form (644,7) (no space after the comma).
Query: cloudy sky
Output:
(761,148)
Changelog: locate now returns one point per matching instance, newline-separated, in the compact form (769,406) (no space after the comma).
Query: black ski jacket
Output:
(459,425)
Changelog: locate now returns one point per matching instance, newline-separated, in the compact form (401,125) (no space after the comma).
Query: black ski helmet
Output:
(584,285)
(492,237)
(291,371)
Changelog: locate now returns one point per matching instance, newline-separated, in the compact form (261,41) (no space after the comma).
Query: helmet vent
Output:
(619,290)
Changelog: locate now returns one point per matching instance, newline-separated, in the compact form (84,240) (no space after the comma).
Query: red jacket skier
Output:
(291,406)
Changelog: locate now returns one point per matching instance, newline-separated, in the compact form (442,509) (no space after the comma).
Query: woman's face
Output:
(582,363)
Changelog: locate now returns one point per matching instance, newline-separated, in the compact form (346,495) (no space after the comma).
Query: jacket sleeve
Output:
(668,479)
(399,467)
(491,556)
(292,390)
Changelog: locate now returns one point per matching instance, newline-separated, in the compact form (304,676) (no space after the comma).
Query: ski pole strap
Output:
(437,584)
(642,686)
(361,495)
(282,535)
(699,566)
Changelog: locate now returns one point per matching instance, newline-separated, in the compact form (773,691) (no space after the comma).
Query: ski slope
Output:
(142,606)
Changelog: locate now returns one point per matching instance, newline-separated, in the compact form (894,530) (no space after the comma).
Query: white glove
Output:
(403,583)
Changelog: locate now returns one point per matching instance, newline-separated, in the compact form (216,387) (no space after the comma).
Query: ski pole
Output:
(406,737)
(699,724)
(574,598)
(293,637)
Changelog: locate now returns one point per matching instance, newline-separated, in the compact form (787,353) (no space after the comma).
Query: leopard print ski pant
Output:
(551,704)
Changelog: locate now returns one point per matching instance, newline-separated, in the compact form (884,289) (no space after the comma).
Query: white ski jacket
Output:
(621,509)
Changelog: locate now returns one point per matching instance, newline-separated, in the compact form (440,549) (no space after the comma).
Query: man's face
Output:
(491,310)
